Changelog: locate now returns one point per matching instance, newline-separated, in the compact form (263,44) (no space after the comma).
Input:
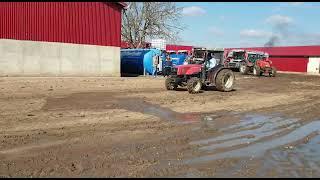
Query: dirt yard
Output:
(133,127)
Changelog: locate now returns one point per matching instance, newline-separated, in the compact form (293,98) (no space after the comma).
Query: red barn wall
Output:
(93,23)
(291,64)
(170,47)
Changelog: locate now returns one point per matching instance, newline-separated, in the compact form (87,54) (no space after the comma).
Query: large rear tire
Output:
(273,72)
(225,80)
(256,71)
(194,85)
(243,69)
(170,85)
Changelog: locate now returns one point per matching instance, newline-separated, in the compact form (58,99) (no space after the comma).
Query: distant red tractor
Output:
(248,61)
(258,64)
(199,75)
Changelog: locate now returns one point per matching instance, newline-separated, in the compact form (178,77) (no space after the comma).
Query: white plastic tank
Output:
(158,44)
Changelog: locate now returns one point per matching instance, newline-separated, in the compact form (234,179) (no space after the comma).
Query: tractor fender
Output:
(212,75)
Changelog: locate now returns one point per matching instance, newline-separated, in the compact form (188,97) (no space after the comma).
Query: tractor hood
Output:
(188,69)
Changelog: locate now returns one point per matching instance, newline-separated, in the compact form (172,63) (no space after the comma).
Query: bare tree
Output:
(146,20)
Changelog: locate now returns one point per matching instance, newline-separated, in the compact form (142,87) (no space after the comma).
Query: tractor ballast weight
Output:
(198,76)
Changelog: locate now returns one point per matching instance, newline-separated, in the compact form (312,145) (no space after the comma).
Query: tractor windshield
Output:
(238,55)
(183,52)
(252,57)
(198,54)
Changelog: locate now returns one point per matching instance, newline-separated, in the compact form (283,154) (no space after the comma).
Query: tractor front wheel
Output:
(194,85)
(170,85)
(243,69)
(256,71)
(225,80)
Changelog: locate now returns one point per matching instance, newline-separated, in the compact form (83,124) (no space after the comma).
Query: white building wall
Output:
(34,58)
(158,44)
(313,65)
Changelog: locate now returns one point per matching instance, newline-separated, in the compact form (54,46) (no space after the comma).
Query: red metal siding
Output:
(95,23)
(124,44)
(170,47)
(291,64)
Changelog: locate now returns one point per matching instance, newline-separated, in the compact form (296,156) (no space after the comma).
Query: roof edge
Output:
(123,4)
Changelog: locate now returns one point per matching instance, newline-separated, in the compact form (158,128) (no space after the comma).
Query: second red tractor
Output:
(248,61)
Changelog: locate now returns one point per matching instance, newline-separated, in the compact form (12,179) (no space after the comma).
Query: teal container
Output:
(134,61)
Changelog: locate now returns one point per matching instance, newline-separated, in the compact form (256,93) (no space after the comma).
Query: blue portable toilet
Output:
(134,61)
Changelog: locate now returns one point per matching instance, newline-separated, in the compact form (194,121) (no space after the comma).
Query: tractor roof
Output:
(209,49)
(256,52)
(238,50)
(215,49)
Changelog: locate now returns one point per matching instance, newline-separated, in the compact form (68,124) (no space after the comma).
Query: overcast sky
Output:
(240,24)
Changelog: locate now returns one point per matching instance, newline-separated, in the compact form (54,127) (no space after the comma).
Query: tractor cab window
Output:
(198,54)
(171,52)
(252,57)
(238,55)
(183,52)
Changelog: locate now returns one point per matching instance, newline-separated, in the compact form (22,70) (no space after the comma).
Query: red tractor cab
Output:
(233,58)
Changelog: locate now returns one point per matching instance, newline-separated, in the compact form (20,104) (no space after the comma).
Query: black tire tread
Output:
(190,87)
(169,85)
(220,80)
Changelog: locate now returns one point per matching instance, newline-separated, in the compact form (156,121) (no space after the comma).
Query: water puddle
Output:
(263,133)
(282,147)
(301,161)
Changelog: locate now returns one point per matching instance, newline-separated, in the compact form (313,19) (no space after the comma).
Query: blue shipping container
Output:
(133,61)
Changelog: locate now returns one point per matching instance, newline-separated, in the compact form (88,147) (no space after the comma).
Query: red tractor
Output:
(257,63)
(200,74)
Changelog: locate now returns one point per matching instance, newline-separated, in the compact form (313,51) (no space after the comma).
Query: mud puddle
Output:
(272,139)
(283,147)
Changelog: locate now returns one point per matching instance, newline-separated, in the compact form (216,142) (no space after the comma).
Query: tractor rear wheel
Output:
(170,85)
(273,72)
(225,80)
(194,85)
(256,71)
(243,69)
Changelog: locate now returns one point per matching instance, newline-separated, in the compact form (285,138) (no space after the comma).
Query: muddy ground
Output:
(133,127)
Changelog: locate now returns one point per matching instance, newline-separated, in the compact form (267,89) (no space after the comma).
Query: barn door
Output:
(314,65)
